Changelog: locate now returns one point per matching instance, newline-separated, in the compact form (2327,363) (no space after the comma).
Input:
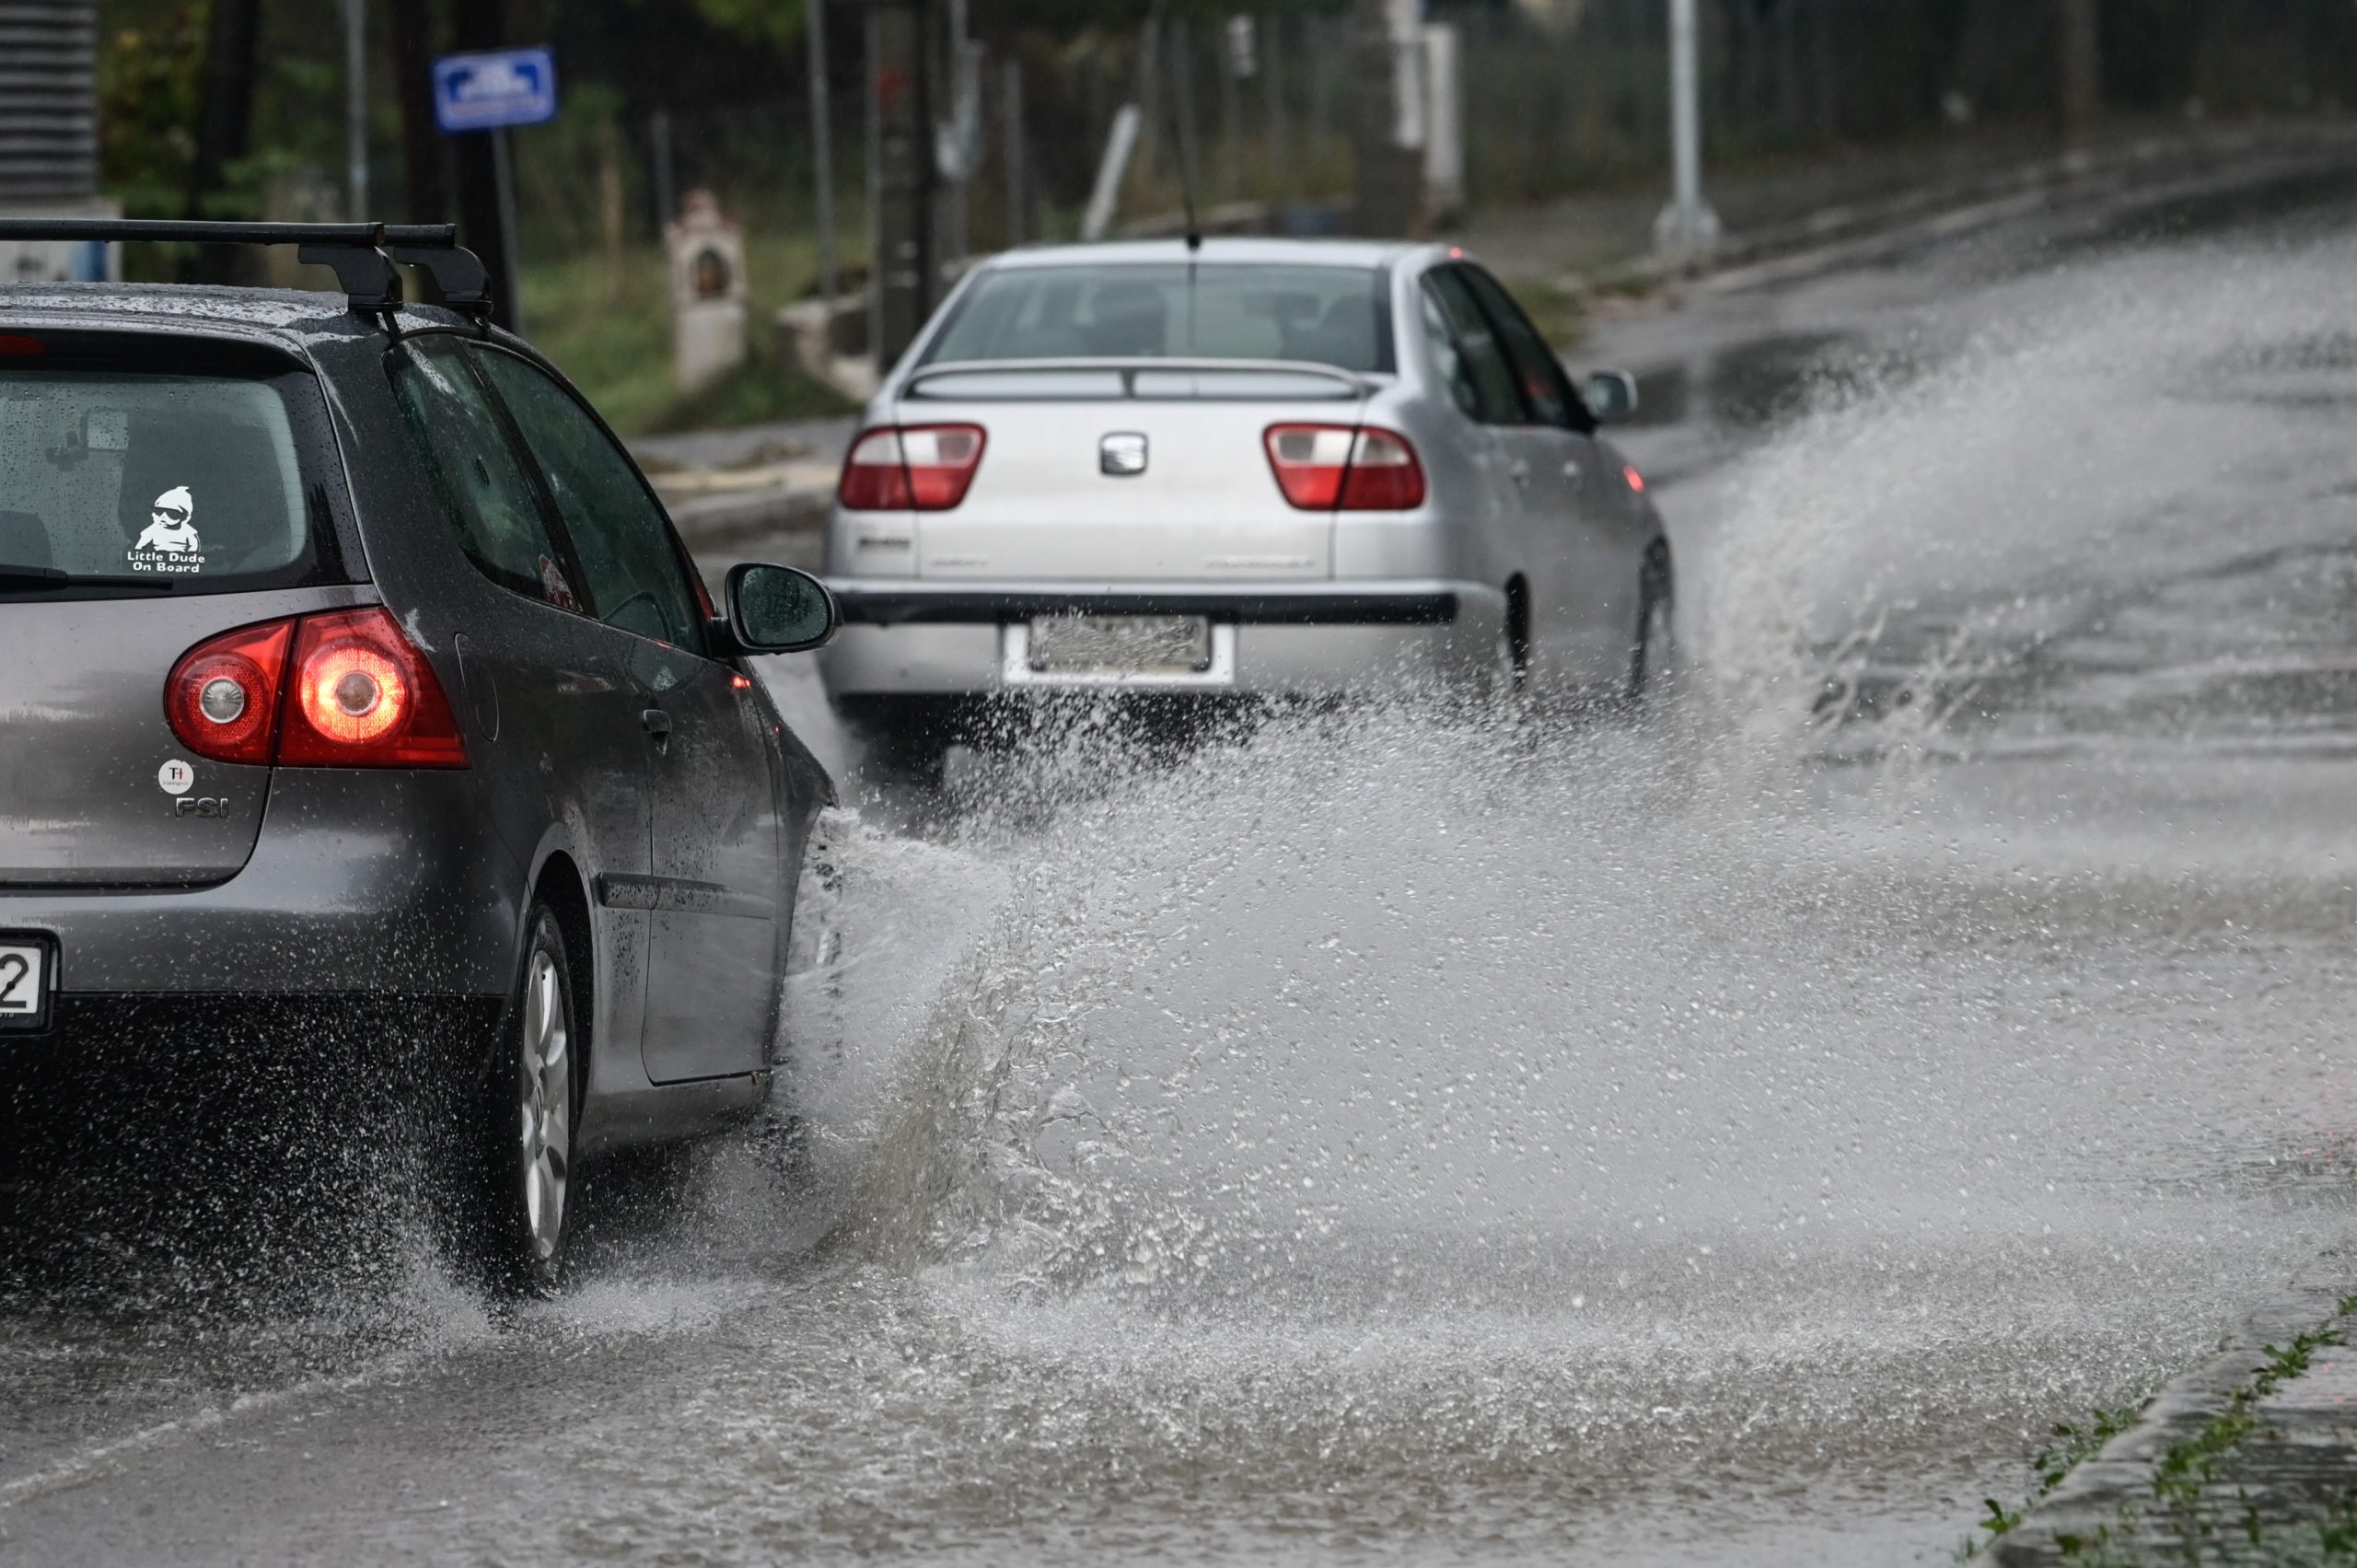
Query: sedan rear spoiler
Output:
(1141,379)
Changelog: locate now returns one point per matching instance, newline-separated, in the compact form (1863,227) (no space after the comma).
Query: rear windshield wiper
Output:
(39,579)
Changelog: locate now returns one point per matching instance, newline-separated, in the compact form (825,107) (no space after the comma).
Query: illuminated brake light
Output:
(362,696)
(222,698)
(1325,468)
(1636,481)
(923,468)
(365,698)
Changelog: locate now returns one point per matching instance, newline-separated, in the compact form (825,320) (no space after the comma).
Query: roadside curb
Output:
(2112,1488)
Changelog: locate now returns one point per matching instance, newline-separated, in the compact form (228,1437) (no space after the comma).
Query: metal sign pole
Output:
(510,289)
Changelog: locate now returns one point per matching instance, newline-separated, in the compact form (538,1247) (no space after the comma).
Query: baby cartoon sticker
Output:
(169,542)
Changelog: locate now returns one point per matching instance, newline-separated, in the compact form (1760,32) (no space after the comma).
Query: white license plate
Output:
(26,975)
(1120,644)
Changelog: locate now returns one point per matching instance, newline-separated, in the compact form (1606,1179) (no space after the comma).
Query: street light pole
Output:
(1687,227)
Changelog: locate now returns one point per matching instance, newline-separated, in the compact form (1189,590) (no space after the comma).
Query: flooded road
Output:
(1738,1134)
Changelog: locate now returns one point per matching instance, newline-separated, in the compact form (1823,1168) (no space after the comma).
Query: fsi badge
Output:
(169,542)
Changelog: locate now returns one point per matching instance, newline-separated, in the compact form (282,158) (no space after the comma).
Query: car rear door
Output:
(1584,576)
(552,688)
(155,493)
(714,891)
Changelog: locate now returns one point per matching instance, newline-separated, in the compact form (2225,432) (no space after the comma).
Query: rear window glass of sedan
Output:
(1317,315)
(122,482)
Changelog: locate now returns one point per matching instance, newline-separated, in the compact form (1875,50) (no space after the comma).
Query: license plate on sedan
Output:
(1120,644)
(27,974)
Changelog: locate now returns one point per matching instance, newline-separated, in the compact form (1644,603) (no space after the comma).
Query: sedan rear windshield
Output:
(131,484)
(1321,314)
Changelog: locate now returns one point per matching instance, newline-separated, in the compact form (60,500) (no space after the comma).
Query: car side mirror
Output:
(778,609)
(1612,397)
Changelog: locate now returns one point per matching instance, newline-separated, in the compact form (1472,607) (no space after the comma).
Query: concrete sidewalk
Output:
(762,490)
(2250,1457)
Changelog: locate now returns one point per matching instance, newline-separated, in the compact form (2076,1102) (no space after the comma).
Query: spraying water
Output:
(1740,1133)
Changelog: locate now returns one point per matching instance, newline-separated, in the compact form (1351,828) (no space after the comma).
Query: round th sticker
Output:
(175,777)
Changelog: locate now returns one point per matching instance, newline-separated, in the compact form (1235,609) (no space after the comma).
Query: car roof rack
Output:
(361,254)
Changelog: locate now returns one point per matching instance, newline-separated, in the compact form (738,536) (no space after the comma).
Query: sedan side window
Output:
(1544,386)
(1488,377)
(485,491)
(1445,357)
(635,577)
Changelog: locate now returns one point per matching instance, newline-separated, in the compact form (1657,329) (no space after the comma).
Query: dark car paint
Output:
(549,706)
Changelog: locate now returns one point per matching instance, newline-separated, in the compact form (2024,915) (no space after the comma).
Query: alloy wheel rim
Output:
(546,1074)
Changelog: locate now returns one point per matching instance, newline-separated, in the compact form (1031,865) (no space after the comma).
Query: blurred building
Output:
(49,131)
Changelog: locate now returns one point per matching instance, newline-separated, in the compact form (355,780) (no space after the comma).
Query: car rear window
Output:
(1321,314)
(116,481)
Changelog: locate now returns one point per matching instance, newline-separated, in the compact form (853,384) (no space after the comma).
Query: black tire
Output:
(518,1215)
(905,739)
(1652,661)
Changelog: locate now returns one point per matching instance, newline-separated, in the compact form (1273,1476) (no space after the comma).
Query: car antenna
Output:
(1178,132)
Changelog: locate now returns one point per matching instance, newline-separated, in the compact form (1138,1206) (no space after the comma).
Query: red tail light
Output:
(353,693)
(222,698)
(365,698)
(923,468)
(1324,467)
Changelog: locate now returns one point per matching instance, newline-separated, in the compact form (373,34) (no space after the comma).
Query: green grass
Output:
(2052,1466)
(609,330)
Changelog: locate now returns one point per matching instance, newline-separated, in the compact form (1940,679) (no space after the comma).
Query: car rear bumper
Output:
(361,882)
(1276,639)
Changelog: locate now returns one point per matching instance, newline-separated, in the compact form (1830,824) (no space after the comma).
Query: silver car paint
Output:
(1547,506)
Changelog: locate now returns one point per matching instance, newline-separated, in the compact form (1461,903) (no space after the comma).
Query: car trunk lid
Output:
(98,791)
(1133,471)
(155,493)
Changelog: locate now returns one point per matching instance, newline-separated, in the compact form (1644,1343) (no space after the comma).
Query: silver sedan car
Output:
(1257,468)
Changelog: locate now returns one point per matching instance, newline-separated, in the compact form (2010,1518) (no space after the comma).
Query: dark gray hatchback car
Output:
(347,660)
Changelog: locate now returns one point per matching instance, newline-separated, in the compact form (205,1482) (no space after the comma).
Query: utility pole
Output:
(1686,228)
(907,271)
(1384,204)
(356,105)
(822,155)
(225,124)
(486,184)
(1018,194)
(427,197)
(2082,55)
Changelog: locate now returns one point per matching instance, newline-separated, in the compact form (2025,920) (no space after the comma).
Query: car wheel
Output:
(1508,678)
(526,1120)
(1652,661)
(907,757)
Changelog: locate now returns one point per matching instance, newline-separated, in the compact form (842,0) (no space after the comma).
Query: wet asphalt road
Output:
(1734,1136)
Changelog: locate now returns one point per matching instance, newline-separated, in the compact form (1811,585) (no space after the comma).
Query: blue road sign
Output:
(500,86)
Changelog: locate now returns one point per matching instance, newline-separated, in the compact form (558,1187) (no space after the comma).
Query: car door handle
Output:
(657,723)
(1519,472)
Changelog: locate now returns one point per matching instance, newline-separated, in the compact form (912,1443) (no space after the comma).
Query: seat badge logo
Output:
(1121,454)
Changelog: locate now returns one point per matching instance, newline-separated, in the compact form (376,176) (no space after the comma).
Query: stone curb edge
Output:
(2120,1474)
